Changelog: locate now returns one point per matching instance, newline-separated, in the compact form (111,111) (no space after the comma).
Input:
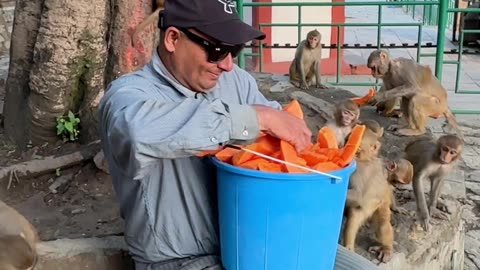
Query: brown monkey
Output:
(422,93)
(373,126)
(400,172)
(432,160)
(18,240)
(369,195)
(305,68)
(345,117)
(150,19)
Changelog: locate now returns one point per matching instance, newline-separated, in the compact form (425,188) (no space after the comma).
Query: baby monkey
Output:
(345,117)
(305,68)
(432,160)
(18,240)
(370,196)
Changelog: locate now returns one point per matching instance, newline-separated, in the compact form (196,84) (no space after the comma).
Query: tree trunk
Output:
(63,55)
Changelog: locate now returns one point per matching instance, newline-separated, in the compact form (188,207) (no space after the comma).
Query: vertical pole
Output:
(419,47)
(379,27)
(241,56)
(339,52)
(442,24)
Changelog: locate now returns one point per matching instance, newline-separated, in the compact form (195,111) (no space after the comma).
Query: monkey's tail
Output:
(453,122)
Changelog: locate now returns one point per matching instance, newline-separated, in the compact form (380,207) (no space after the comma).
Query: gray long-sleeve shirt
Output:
(151,126)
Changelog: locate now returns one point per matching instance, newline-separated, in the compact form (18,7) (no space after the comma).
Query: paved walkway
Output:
(470,71)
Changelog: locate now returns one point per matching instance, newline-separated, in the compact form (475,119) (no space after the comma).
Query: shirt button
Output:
(214,140)
(245,133)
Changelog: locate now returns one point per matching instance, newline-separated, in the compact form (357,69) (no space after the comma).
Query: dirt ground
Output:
(86,206)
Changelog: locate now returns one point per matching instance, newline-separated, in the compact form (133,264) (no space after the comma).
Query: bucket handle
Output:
(283,162)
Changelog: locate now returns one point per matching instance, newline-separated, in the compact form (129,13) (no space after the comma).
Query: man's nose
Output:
(227,63)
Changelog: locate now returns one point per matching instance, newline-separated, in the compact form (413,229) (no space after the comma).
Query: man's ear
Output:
(170,38)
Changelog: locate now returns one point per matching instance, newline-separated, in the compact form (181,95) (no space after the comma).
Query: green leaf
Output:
(71,116)
(69,127)
(60,128)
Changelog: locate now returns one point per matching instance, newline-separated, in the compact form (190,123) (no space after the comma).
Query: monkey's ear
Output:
(391,165)
(383,55)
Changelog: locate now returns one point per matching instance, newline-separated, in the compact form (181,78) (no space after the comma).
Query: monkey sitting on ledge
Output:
(305,68)
(421,92)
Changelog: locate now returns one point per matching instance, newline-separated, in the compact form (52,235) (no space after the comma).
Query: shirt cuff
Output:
(244,122)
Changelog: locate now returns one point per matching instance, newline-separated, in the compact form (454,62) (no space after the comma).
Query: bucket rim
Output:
(285,176)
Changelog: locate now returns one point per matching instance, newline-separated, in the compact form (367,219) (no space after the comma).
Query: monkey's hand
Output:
(401,211)
(436,213)
(384,254)
(304,85)
(425,222)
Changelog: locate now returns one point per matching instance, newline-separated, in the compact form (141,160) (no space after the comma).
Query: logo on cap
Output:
(228,6)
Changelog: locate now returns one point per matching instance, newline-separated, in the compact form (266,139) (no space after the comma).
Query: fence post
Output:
(442,25)
(241,56)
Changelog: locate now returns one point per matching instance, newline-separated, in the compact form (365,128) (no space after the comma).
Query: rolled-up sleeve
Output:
(143,126)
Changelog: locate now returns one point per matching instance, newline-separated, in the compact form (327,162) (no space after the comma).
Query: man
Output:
(188,99)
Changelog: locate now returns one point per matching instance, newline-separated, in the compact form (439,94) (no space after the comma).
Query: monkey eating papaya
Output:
(422,94)
(305,68)
(18,239)
(432,160)
(345,117)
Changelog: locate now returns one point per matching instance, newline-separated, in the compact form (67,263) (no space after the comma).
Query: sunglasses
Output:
(215,52)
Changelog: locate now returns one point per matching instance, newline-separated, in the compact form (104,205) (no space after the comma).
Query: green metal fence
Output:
(442,8)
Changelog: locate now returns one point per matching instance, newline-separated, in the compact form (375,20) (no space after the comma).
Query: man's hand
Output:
(284,126)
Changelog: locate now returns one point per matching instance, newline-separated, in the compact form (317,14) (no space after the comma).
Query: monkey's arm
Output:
(422,209)
(400,91)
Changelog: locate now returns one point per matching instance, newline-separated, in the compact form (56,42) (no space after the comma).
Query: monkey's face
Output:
(448,154)
(313,42)
(348,117)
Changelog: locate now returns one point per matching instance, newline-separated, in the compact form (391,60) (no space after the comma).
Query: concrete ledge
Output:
(109,253)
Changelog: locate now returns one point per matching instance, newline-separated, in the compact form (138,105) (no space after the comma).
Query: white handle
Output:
(283,162)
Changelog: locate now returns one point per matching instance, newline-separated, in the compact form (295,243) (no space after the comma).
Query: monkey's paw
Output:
(304,86)
(383,254)
(320,86)
(425,222)
(401,211)
(436,213)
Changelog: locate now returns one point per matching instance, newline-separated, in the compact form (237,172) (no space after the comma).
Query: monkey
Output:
(345,117)
(422,94)
(150,19)
(400,172)
(373,126)
(305,68)
(18,239)
(369,196)
(432,160)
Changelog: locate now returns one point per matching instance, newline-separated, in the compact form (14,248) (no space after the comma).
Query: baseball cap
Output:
(216,18)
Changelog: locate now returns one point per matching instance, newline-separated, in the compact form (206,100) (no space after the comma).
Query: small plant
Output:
(67,127)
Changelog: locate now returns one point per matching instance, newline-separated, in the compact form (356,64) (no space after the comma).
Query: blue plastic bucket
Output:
(275,221)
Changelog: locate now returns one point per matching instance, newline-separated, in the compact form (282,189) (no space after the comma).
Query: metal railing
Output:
(442,9)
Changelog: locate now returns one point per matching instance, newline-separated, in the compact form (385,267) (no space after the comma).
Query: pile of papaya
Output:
(324,155)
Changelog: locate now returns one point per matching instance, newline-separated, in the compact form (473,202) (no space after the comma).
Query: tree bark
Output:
(63,56)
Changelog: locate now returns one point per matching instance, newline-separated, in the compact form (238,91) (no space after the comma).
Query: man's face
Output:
(192,66)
